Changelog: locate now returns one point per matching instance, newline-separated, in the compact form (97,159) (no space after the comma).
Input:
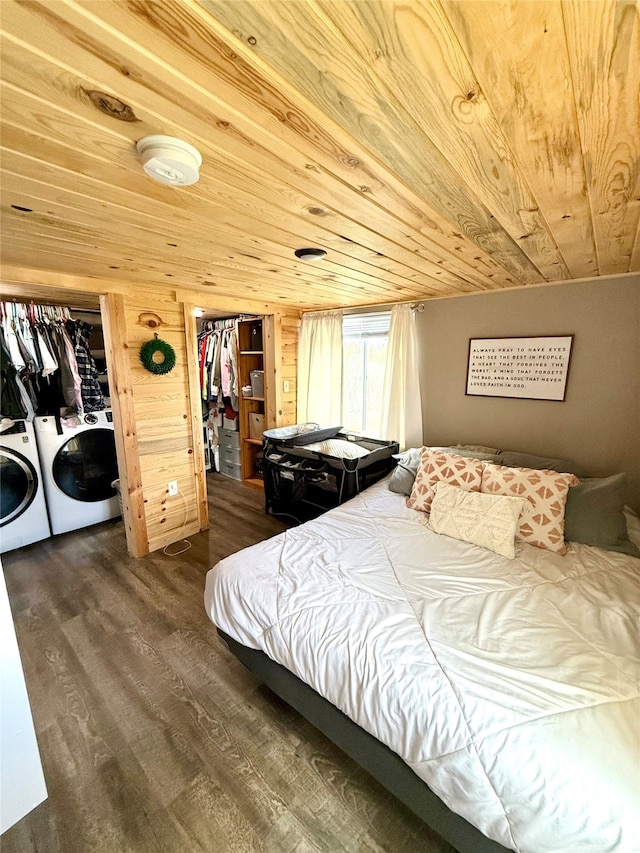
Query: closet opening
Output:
(57,444)
(235,389)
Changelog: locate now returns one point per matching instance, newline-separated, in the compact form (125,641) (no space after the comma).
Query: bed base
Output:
(382,763)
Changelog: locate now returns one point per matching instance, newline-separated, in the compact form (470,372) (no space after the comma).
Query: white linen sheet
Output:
(511,687)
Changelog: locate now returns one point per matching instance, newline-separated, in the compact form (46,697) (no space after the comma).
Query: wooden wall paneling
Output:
(13,292)
(233,305)
(114,327)
(603,41)
(533,51)
(288,354)
(26,70)
(48,281)
(195,414)
(154,416)
(168,447)
(204,57)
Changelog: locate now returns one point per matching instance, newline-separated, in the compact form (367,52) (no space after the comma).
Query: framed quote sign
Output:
(527,368)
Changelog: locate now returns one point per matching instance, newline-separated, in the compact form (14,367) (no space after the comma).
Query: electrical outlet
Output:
(172,487)
(285,386)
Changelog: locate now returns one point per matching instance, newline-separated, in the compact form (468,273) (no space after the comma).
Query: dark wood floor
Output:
(153,737)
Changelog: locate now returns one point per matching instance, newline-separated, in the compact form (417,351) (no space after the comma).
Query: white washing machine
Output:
(23,511)
(78,460)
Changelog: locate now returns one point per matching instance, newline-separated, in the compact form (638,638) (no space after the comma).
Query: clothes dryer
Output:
(78,459)
(23,511)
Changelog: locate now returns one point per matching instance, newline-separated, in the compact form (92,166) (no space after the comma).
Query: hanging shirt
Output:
(73,367)
(69,405)
(233,367)
(225,368)
(47,356)
(92,397)
(11,401)
(11,343)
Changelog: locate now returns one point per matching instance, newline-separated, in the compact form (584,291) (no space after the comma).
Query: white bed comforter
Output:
(511,687)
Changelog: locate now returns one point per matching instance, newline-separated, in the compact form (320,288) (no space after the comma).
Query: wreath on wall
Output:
(157,356)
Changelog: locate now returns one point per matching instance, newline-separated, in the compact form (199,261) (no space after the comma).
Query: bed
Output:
(498,697)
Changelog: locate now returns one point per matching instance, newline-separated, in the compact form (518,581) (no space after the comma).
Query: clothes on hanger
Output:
(40,371)
(91,392)
(218,362)
(11,401)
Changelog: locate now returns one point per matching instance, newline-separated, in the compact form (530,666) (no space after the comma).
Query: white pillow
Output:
(338,447)
(469,516)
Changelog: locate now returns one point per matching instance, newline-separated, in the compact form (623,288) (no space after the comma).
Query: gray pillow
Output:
(402,479)
(404,474)
(405,471)
(514,459)
(594,515)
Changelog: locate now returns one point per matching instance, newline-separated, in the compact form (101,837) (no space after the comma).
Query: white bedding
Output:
(511,687)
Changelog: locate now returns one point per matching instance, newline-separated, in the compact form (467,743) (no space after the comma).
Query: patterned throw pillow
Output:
(542,520)
(436,467)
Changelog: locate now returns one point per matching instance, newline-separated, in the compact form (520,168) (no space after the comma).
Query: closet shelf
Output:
(253,410)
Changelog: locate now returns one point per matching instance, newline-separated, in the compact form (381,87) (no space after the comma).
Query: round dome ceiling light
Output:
(170,160)
(310,254)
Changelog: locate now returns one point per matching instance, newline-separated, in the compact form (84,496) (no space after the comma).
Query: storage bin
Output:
(230,423)
(256,425)
(247,391)
(230,454)
(230,469)
(257,382)
(228,438)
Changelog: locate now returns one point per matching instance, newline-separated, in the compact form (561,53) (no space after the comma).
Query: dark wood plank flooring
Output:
(153,737)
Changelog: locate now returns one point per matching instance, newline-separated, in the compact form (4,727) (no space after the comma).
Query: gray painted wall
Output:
(597,426)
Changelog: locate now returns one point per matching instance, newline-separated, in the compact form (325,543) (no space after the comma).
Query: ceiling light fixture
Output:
(170,160)
(310,254)
(198,312)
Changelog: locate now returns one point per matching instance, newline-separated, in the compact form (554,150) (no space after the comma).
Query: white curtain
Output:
(320,368)
(402,406)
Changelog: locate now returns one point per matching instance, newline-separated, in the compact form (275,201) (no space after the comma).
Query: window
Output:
(364,352)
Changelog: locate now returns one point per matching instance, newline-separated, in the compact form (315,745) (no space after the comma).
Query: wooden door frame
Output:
(195,413)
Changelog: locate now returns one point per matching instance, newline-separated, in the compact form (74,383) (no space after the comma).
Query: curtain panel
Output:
(401,414)
(320,368)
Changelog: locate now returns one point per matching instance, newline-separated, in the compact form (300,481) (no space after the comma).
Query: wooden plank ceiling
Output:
(432,147)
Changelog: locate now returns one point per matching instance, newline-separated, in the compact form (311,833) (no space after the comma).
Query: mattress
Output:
(511,687)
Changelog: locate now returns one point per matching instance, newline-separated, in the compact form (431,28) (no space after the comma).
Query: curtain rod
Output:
(416,305)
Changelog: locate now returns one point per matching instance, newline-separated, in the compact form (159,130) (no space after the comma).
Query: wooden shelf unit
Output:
(251,333)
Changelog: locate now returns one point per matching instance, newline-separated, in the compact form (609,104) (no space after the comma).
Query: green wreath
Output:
(157,347)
